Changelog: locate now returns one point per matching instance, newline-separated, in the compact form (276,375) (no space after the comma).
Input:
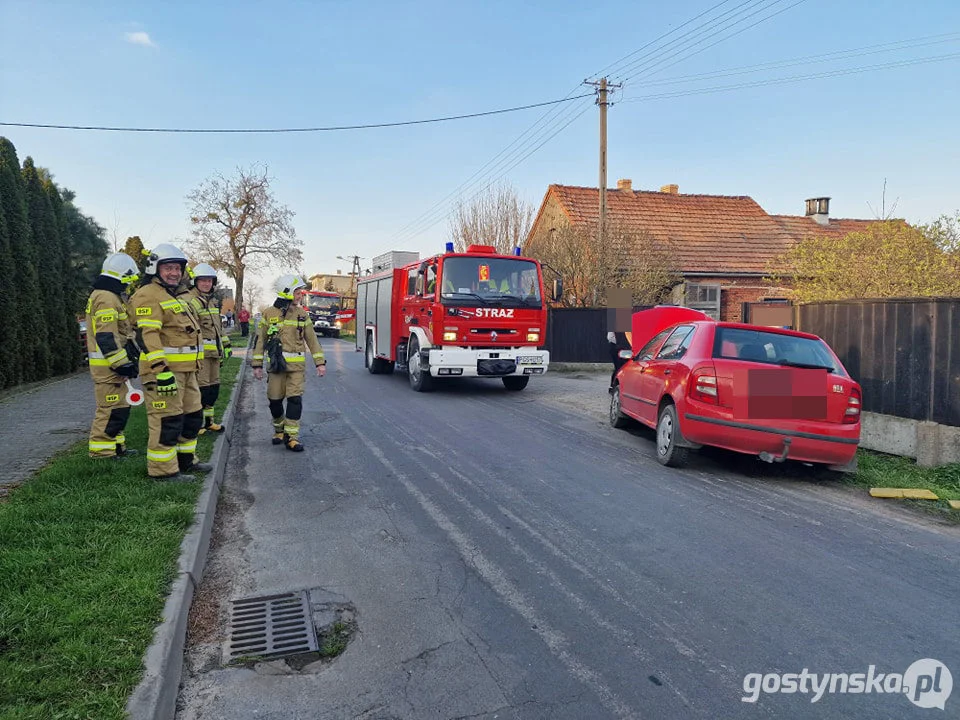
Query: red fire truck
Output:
(470,314)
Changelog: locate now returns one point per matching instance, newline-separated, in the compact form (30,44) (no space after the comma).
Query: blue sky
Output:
(294,64)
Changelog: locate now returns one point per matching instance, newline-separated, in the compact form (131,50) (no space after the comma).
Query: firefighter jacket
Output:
(168,328)
(109,329)
(211,326)
(295,329)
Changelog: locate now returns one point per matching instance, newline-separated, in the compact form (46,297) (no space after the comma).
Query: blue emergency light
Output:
(516,251)
(449,247)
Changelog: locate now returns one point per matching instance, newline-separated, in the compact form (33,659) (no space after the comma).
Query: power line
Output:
(795,78)
(825,57)
(298,130)
(437,212)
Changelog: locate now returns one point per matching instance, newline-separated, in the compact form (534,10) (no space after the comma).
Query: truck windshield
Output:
(494,281)
(319,302)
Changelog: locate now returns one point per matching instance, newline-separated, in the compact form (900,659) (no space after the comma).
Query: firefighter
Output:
(283,334)
(168,330)
(112,354)
(216,344)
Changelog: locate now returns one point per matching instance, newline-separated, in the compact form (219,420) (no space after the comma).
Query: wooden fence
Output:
(580,334)
(905,353)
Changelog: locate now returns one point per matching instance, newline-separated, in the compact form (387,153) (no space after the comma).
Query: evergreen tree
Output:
(30,332)
(65,277)
(47,321)
(9,365)
(134,248)
(88,249)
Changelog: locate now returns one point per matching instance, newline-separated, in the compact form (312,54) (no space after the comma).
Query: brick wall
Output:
(736,291)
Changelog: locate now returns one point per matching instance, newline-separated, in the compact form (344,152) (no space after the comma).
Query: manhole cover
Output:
(271,626)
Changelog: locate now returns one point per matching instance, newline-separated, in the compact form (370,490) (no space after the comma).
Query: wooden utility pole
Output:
(603,87)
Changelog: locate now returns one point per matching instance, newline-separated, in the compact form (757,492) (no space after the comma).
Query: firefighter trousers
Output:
(110,419)
(209,381)
(174,422)
(287,385)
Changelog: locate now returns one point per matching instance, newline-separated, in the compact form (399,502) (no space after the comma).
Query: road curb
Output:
(155,698)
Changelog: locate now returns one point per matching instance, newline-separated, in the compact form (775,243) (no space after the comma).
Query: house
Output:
(725,245)
(343,284)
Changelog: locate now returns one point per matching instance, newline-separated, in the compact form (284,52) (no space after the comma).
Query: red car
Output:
(774,393)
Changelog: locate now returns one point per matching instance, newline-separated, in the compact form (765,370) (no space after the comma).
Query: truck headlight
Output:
(450,336)
(533,337)
(338,324)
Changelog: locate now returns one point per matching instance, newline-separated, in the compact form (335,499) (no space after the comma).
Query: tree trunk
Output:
(238,300)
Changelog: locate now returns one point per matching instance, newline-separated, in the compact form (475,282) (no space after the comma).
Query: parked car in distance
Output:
(774,393)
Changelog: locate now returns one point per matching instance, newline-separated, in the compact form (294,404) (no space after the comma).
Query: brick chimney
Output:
(819,209)
(672,189)
(625,184)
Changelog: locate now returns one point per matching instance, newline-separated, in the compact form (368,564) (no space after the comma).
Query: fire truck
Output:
(468,314)
(326,311)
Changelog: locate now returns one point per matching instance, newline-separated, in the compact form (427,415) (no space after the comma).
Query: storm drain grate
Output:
(271,626)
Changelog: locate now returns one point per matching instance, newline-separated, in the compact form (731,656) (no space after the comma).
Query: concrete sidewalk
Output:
(39,421)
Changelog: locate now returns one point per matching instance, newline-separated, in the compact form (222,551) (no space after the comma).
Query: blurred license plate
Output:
(530,360)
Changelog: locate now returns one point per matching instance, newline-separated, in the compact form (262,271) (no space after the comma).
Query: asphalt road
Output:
(509,555)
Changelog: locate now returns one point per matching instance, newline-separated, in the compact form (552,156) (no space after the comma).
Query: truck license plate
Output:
(530,360)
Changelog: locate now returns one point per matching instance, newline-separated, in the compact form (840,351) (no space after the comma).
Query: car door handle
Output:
(666,372)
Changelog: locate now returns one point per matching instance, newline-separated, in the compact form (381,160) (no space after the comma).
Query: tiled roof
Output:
(711,233)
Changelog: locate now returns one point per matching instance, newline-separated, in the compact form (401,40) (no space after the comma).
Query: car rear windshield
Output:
(774,348)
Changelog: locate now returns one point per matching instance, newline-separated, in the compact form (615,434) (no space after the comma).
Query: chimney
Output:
(672,189)
(625,184)
(819,210)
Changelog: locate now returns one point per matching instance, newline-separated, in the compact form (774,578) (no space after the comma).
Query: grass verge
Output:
(890,471)
(89,549)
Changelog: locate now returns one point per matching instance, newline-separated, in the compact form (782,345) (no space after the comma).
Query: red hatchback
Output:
(777,394)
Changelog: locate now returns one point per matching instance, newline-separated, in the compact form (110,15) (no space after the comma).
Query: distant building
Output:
(343,284)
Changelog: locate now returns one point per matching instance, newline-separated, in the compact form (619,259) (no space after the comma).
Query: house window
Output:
(704,297)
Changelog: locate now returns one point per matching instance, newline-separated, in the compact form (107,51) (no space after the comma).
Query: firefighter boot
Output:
(188,463)
(278,436)
(208,424)
(292,443)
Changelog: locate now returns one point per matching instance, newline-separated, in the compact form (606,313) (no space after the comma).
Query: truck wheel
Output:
(373,363)
(516,382)
(336,333)
(420,379)
(668,437)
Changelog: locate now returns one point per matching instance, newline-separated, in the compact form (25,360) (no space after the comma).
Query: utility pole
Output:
(603,87)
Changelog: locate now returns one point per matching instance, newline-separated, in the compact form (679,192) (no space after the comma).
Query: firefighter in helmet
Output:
(112,355)
(284,333)
(168,330)
(216,343)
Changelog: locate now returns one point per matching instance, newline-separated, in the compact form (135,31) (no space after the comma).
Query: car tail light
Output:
(703,386)
(852,413)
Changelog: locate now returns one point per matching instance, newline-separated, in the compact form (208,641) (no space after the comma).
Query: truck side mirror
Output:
(557,289)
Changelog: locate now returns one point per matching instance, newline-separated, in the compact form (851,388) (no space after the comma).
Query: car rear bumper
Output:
(828,443)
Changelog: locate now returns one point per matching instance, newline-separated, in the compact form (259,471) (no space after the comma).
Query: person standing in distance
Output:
(216,343)
(284,333)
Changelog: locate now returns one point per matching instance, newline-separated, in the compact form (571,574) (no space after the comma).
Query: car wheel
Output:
(420,378)
(617,418)
(669,452)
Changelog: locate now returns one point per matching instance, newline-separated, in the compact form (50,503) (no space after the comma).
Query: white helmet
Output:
(202,270)
(121,266)
(162,253)
(286,285)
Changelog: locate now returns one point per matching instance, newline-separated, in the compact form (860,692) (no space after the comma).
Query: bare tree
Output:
(631,259)
(497,217)
(239,226)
